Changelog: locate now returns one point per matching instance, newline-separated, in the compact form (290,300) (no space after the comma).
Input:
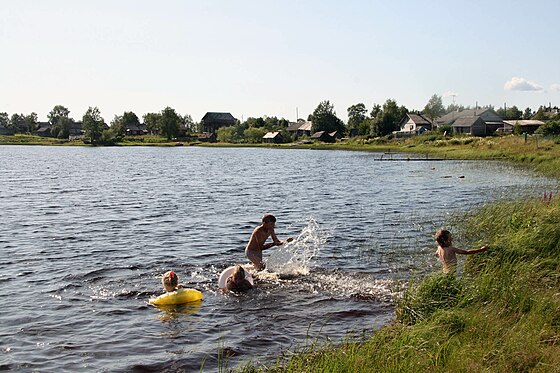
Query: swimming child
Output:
(447,254)
(256,244)
(237,281)
(170,282)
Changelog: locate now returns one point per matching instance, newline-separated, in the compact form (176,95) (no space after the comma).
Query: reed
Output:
(501,315)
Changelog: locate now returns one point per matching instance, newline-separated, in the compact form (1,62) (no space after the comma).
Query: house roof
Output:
(489,115)
(306,126)
(525,122)
(213,116)
(467,121)
(419,119)
(300,126)
(271,135)
(318,135)
(294,126)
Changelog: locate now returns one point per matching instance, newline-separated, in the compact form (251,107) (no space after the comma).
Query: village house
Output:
(414,124)
(135,129)
(212,121)
(273,138)
(44,129)
(300,129)
(323,136)
(476,122)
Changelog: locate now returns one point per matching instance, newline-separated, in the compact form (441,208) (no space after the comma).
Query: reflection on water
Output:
(88,232)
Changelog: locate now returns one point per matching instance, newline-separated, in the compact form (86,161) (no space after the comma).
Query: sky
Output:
(274,58)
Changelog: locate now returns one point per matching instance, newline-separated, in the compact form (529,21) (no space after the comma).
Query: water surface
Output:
(87,232)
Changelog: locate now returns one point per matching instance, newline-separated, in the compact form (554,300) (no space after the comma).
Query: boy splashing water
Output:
(257,244)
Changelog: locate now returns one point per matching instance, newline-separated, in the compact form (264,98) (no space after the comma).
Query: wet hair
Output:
(170,279)
(268,218)
(443,237)
(238,273)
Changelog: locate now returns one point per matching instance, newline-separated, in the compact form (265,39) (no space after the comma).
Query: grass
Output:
(501,315)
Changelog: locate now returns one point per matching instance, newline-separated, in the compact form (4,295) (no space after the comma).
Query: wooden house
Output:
(212,121)
(323,136)
(300,129)
(463,120)
(44,129)
(273,138)
(415,124)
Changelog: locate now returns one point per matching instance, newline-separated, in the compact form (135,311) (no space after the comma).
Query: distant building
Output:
(212,121)
(323,136)
(527,126)
(466,121)
(44,129)
(300,129)
(135,129)
(273,138)
(415,124)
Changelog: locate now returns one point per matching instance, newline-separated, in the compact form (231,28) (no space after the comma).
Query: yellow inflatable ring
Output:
(177,297)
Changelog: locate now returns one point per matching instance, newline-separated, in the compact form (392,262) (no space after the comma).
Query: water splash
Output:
(294,257)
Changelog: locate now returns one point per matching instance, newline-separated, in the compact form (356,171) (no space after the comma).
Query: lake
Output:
(86,234)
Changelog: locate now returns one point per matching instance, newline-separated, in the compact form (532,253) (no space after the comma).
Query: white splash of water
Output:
(293,258)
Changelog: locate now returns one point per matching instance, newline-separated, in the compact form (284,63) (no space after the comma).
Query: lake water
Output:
(86,234)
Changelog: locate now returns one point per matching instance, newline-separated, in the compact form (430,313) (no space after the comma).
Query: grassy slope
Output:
(503,315)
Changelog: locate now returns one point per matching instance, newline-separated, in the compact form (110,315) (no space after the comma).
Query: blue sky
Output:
(256,58)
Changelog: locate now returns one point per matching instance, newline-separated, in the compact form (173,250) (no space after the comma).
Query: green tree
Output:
(169,123)
(357,114)
(375,110)
(30,121)
(324,118)
(57,112)
(528,113)
(254,135)
(189,123)
(226,134)
(434,108)
(60,121)
(388,118)
(93,125)
(151,121)
(17,122)
(118,128)
(551,128)
(4,120)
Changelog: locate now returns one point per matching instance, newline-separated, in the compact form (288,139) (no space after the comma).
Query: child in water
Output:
(170,282)
(256,244)
(237,281)
(447,254)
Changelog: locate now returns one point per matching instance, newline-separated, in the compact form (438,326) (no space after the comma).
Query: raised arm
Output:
(469,252)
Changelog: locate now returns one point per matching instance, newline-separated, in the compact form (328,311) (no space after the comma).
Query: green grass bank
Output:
(501,315)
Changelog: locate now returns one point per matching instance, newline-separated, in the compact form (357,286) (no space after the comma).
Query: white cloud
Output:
(521,84)
(450,94)
(555,87)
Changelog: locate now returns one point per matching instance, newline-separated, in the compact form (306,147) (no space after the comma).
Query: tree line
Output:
(378,121)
